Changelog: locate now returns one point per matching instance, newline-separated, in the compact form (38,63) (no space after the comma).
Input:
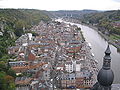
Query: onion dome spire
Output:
(107,59)
(105,76)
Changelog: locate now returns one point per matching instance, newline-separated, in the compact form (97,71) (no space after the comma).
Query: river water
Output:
(99,45)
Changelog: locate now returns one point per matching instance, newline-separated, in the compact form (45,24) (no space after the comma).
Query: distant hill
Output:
(96,17)
(106,21)
(72,13)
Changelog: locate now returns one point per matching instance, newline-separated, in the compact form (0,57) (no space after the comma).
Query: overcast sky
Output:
(62,4)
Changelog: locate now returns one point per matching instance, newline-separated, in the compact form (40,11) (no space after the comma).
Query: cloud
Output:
(116,0)
(2,0)
(62,4)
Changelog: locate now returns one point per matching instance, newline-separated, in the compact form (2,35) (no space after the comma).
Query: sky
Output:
(52,5)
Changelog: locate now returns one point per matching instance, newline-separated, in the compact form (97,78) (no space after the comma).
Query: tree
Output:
(3,85)
(9,79)
(11,73)
(3,67)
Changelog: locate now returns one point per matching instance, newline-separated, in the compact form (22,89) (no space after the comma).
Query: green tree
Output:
(3,85)
(11,72)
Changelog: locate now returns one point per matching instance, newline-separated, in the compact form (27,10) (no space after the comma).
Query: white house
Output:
(69,66)
(78,66)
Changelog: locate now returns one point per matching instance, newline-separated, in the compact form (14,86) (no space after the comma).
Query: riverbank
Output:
(108,39)
(98,46)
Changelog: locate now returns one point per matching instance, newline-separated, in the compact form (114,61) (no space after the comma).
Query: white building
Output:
(69,66)
(78,66)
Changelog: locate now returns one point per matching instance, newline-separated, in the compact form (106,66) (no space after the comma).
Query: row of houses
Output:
(77,66)
(57,56)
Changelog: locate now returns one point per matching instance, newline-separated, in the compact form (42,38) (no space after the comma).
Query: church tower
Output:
(105,76)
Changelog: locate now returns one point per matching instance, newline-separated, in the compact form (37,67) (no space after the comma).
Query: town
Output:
(57,57)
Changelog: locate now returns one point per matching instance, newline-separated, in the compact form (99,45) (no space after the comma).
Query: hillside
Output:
(14,22)
(107,22)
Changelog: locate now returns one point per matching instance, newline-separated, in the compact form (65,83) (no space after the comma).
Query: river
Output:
(99,45)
